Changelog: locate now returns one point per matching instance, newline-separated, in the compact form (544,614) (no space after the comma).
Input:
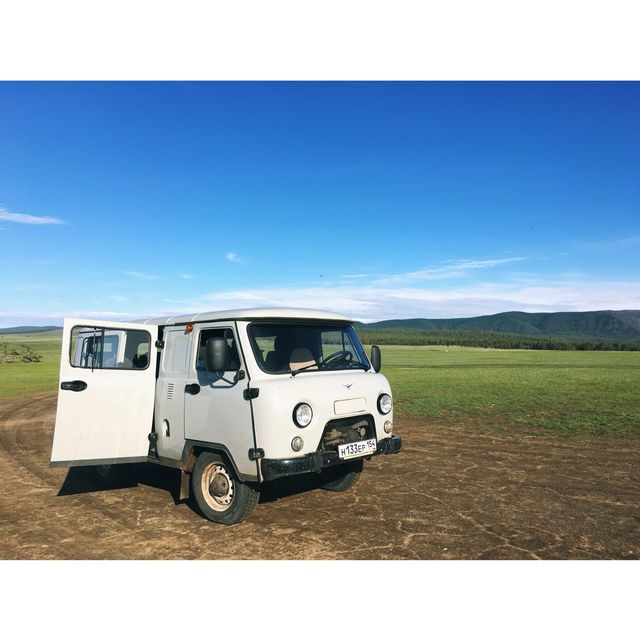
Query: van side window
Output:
(106,348)
(176,353)
(227,334)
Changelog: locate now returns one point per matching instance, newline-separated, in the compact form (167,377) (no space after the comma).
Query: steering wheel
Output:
(347,356)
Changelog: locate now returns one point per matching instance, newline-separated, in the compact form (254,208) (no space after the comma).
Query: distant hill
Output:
(577,325)
(580,325)
(12,330)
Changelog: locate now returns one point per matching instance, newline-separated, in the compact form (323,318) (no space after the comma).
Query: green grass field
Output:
(532,392)
(537,392)
(17,379)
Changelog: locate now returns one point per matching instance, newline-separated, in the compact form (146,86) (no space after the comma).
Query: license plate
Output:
(355,449)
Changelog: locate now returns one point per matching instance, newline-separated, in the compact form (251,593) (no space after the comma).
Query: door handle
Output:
(73,385)
(193,389)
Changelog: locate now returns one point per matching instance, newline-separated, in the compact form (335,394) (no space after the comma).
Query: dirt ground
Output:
(449,494)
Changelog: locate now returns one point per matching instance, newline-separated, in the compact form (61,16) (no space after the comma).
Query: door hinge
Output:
(256,454)
(153,445)
(250,394)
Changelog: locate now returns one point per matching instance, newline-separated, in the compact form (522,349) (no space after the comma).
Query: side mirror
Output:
(217,354)
(376,358)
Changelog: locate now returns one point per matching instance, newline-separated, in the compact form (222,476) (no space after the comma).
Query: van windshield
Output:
(292,348)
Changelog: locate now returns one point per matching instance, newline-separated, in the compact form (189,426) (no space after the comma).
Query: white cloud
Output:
(140,274)
(369,302)
(24,218)
(186,276)
(372,303)
(356,275)
(16,318)
(449,271)
(232,256)
(118,298)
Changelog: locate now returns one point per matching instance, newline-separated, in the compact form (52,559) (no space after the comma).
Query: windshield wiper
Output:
(358,365)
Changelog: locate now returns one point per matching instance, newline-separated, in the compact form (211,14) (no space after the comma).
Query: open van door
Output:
(106,393)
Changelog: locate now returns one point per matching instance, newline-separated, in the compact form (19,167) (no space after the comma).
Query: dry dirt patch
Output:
(449,494)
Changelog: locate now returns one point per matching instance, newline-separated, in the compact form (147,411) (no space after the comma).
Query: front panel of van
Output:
(343,395)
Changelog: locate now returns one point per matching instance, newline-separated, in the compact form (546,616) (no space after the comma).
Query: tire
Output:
(219,495)
(343,477)
(110,475)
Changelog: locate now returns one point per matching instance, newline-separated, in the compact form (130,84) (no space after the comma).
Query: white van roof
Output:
(276,313)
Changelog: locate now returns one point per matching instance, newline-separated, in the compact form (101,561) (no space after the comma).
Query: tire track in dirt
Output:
(450,493)
(21,427)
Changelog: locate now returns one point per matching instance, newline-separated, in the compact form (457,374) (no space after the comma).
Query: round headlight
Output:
(384,403)
(388,427)
(302,414)
(297,443)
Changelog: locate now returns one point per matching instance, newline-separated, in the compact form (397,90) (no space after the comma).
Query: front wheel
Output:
(343,477)
(220,496)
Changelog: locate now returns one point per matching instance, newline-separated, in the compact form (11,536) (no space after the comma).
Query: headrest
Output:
(300,358)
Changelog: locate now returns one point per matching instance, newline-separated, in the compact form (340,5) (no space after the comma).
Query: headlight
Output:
(297,443)
(388,427)
(384,403)
(302,414)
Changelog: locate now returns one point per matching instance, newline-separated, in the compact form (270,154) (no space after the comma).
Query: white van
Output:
(233,398)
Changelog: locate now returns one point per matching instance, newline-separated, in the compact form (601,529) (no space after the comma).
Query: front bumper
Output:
(273,468)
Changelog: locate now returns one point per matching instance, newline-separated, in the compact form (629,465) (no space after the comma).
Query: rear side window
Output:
(176,352)
(107,348)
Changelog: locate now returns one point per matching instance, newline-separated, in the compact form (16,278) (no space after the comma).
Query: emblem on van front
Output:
(348,385)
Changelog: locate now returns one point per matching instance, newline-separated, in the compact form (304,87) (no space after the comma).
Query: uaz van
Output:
(234,399)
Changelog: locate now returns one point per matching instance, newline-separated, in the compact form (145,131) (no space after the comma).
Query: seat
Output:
(276,360)
(140,362)
(302,358)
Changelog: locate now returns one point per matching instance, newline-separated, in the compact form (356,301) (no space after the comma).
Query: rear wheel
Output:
(343,477)
(220,496)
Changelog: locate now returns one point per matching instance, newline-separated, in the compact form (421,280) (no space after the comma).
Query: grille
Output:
(345,430)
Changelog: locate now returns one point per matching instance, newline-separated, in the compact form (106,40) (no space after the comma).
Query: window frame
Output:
(102,329)
(302,323)
(193,369)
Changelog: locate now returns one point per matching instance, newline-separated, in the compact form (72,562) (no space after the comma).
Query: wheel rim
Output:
(217,487)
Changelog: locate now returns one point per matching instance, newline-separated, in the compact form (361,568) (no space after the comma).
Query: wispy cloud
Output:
(118,298)
(232,256)
(355,275)
(140,274)
(369,303)
(448,271)
(186,276)
(25,218)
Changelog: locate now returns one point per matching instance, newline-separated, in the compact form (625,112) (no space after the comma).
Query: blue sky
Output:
(377,200)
